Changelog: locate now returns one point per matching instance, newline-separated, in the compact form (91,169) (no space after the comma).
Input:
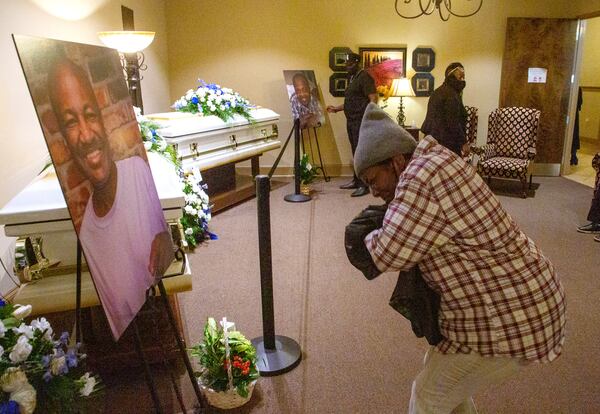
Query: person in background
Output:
(446,116)
(502,305)
(305,106)
(360,91)
(593,227)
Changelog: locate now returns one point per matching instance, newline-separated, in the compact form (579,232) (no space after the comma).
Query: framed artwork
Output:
(84,109)
(423,59)
(422,84)
(384,64)
(304,98)
(338,57)
(338,82)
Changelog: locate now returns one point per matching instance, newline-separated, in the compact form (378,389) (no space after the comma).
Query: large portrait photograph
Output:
(84,109)
(384,64)
(304,98)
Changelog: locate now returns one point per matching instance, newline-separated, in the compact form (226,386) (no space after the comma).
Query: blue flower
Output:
(47,376)
(213,236)
(71,358)
(195,100)
(64,338)
(46,360)
(2,303)
(9,407)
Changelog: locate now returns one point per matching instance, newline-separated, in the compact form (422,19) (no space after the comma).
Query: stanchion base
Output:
(285,357)
(296,198)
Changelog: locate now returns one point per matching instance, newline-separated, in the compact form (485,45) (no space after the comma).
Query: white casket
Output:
(208,142)
(40,210)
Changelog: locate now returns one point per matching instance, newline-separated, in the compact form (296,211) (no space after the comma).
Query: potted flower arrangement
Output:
(227,365)
(307,174)
(212,99)
(37,372)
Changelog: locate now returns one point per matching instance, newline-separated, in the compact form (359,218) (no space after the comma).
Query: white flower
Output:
(1,351)
(147,145)
(162,145)
(233,104)
(189,231)
(201,92)
(2,329)
(57,365)
(212,108)
(42,324)
(189,95)
(222,107)
(88,384)
(24,329)
(196,189)
(203,196)
(208,216)
(14,381)
(188,209)
(184,243)
(201,214)
(21,350)
(22,311)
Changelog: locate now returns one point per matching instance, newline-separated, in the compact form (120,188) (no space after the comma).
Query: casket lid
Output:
(174,125)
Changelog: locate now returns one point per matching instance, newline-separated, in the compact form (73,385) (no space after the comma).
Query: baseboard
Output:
(550,170)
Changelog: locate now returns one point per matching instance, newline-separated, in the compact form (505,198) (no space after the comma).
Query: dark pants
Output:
(353,127)
(594,214)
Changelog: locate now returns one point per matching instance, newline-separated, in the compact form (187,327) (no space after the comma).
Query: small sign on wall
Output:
(537,75)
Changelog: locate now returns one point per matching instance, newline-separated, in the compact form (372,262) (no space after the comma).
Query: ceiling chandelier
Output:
(403,8)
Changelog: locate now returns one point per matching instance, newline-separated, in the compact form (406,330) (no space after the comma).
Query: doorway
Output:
(579,164)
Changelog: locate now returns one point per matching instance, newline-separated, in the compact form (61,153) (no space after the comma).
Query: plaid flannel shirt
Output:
(500,296)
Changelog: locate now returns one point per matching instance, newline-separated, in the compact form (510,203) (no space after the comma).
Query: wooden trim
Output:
(590,88)
(589,15)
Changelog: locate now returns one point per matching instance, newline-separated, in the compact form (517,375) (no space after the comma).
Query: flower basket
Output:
(226,399)
(227,361)
(305,189)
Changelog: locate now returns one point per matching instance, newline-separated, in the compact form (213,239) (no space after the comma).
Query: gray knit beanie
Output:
(379,139)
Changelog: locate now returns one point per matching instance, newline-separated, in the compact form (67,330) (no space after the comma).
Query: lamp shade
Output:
(401,87)
(127,41)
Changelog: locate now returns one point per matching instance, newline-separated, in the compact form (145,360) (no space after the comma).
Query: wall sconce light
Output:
(429,6)
(400,88)
(130,44)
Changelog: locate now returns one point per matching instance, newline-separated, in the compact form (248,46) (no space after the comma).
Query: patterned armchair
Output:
(471,130)
(510,148)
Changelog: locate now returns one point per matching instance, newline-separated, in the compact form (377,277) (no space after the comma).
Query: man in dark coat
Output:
(360,91)
(446,115)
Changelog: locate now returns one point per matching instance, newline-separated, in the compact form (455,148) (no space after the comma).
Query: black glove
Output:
(368,220)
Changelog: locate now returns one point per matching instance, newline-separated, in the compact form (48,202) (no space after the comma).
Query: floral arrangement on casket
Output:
(212,99)
(36,370)
(197,209)
(228,365)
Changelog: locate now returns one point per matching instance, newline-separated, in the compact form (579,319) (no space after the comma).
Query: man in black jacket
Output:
(360,91)
(446,115)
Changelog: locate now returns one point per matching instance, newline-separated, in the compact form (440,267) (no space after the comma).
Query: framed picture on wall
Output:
(423,59)
(338,57)
(384,64)
(423,84)
(338,82)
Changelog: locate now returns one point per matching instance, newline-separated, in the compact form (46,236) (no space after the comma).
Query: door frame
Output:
(582,24)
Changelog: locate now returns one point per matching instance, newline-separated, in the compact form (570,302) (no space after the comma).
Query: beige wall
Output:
(246,45)
(23,150)
(589,117)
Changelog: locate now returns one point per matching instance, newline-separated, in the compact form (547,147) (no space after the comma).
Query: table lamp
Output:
(401,88)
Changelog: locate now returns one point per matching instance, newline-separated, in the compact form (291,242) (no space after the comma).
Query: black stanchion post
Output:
(276,354)
(297,197)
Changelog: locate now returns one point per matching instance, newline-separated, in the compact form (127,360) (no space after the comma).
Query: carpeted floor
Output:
(359,355)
